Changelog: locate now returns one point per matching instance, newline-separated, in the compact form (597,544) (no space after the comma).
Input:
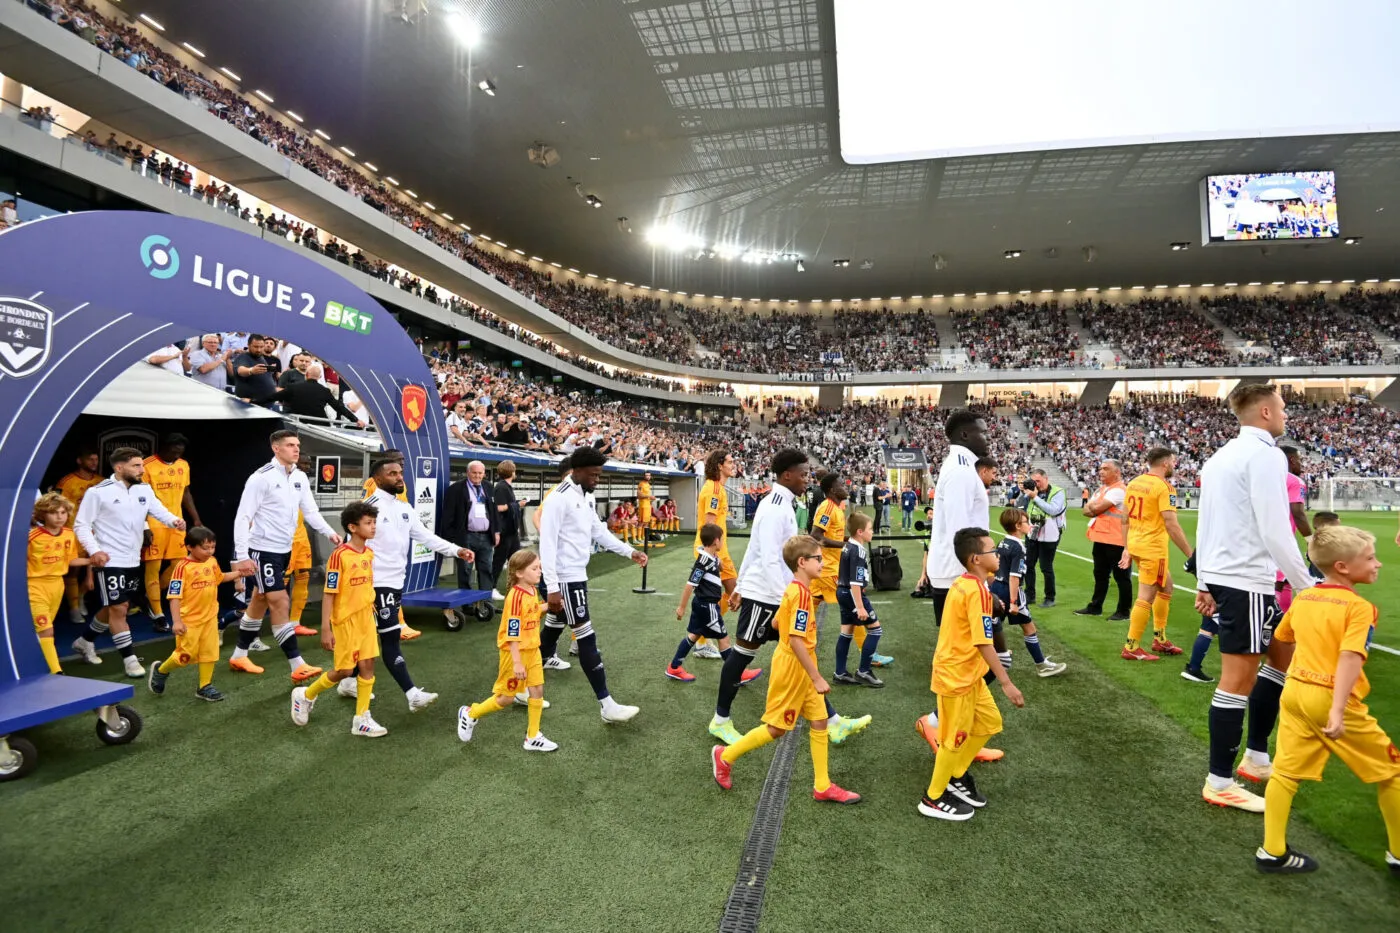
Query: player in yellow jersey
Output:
(193,592)
(712,508)
(53,551)
(520,666)
(73,486)
(967,714)
(406,631)
(1149,512)
(645,501)
(299,575)
(168,475)
(348,607)
(1321,710)
(829,528)
(795,688)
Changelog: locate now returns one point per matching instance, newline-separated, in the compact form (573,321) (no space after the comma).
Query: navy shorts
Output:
(706,621)
(756,622)
(846,601)
(1246,620)
(117,586)
(271,576)
(387,603)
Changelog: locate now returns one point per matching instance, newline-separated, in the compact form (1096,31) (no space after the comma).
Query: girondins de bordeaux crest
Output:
(26,337)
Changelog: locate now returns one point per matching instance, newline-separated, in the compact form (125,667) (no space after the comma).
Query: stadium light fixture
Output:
(840,263)
(1184,285)
(1278,283)
(464,29)
(231,74)
(374,168)
(591,275)
(411,193)
(521,252)
(448,217)
(1324,281)
(264,95)
(556,265)
(576,272)
(327,136)
(1070,291)
(1003,293)
(981,294)
(1180,245)
(430,205)
(1351,241)
(1348,281)
(1115,288)
(916,297)
(1011,254)
(1092,289)
(1047,291)
(348,151)
(192,49)
(294,115)
(594,201)
(1232,284)
(1024,291)
(486,85)
(1302,283)
(959,294)
(1203,285)
(152,23)
(801,267)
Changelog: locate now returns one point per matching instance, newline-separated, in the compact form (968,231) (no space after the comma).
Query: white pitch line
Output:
(1184,591)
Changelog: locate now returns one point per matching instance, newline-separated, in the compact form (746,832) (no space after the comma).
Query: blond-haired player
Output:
(53,551)
(1321,712)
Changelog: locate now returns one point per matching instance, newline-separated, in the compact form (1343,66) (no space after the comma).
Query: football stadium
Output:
(677,465)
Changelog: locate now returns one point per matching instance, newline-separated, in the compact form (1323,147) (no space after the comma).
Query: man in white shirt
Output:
(569,527)
(763,576)
(209,364)
(111,526)
(262,547)
(168,358)
(397,530)
(1242,538)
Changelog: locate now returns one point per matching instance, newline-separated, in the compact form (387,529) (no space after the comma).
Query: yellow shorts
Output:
(971,713)
(45,599)
(1303,750)
(646,514)
(824,588)
(791,693)
(355,639)
(166,543)
(507,684)
(726,564)
(200,643)
(1153,571)
(301,557)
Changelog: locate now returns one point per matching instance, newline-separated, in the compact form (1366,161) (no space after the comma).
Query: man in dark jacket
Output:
(471,521)
(309,398)
(508,508)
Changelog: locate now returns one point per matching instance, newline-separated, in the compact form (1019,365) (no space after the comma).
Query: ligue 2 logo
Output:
(161,259)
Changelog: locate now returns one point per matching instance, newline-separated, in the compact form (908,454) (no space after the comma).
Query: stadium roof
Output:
(720,120)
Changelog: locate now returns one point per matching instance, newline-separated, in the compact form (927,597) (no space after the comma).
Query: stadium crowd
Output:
(1156,332)
(882,340)
(1310,329)
(1016,336)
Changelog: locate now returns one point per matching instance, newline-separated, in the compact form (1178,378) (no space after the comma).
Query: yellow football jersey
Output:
(520,619)
(967,624)
(196,585)
(1324,621)
(830,522)
(1148,498)
(49,554)
(350,576)
(713,498)
(795,618)
(169,482)
(73,487)
(370,487)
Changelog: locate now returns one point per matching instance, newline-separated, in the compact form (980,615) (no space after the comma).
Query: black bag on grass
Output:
(885,571)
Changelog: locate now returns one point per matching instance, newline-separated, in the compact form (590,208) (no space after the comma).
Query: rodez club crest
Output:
(26,337)
(413,405)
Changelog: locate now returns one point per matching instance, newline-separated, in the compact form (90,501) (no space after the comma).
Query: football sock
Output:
(830,710)
(394,659)
(301,589)
(682,650)
(1161,608)
(858,634)
(1198,651)
(206,673)
(1388,796)
(821,780)
(1226,724)
(1137,624)
(364,687)
(943,765)
(843,651)
(550,631)
(50,653)
(964,756)
(123,642)
(488,706)
(532,723)
(321,684)
(726,652)
(867,650)
(1263,709)
(729,676)
(1005,658)
(152,569)
(592,660)
(757,737)
(1033,646)
(95,630)
(171,663)
(247,631)
(1278,801)
(286,635)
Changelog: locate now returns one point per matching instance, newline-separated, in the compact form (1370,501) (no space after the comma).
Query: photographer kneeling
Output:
(1045,504)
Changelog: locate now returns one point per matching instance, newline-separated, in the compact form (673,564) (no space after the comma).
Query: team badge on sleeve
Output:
(1172,498)
(987,623)
(176,587)
(513,628)
(333,579)
(799,621)
(714,503)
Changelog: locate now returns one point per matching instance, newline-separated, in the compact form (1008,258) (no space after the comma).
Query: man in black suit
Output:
(471,519)
(309,398)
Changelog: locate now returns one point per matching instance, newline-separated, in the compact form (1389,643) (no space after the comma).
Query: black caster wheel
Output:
(128,727)
(18,757)
(484,610)
(454,622)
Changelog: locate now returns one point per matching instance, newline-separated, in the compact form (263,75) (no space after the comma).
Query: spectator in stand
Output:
(296,372)
(169,358)
(209,364)
(1307,329)
(310,399)
(255,373)
(1023,335)
(510,511)
(9,217)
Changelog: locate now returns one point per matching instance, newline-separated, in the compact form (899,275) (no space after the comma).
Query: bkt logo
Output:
(160,258)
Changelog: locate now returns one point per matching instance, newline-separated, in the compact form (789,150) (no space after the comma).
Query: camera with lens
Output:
(1028,485)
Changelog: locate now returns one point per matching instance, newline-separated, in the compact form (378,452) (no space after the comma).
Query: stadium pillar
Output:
(952,395)
(1390,396)
(831,395)
(1096,392)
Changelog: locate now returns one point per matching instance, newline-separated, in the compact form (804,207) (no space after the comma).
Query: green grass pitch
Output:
(228,817)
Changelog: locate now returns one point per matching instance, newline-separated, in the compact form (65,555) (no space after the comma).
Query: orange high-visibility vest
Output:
(1107,527)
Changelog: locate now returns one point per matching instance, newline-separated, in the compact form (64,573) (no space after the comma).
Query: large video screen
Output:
(918,79)
(1269,206)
